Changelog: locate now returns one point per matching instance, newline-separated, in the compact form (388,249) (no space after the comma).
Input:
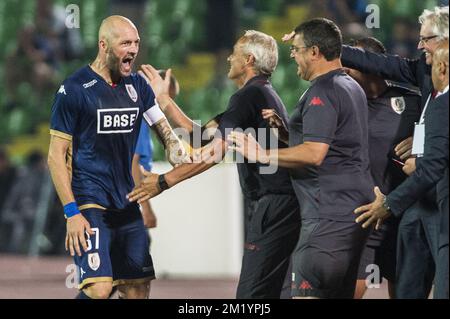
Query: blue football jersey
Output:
(103,124)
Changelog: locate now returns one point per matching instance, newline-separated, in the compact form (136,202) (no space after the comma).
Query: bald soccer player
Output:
(95,122)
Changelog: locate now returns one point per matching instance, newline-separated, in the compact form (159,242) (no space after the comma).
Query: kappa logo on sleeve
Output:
(305,285)
(317,101)
(62,90)
(112,121)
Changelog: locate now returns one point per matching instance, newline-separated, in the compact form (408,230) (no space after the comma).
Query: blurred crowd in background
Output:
(194,37)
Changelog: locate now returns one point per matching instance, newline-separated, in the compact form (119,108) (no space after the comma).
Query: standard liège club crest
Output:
(398,104)
(132,92)
(94,261)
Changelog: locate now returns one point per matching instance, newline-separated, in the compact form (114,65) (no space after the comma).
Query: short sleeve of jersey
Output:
(65,112)
(239,114)
(319,119)
(147,95)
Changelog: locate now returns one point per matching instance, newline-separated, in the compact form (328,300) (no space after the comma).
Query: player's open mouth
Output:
(127,63)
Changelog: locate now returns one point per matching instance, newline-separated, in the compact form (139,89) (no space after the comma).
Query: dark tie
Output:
(433,95)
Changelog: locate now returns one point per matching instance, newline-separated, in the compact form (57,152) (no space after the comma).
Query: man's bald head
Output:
(111,27)
(118,47)
(440,66)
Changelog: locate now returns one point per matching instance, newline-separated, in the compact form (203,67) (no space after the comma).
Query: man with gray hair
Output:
(427,171)
(417,239)
(272,221)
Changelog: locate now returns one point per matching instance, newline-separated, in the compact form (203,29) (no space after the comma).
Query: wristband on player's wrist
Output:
(162,183)
(71,210)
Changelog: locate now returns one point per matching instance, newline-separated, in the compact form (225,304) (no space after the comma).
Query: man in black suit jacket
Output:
(439,133)
(417,247)
(431,169)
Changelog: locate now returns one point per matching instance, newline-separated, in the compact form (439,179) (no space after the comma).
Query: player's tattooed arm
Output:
(176,153)
(175,115)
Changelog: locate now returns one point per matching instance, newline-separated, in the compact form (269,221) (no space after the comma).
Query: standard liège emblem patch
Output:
(398,104)
(131,92)
(94,261)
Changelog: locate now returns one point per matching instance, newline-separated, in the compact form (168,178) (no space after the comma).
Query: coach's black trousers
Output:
(441,279)
(272,231)
(417,250)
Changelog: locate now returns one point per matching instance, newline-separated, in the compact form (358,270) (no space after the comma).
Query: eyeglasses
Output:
(296,49)
(424,40)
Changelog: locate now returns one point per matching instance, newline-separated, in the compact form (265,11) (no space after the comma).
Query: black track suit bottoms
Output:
(272,232)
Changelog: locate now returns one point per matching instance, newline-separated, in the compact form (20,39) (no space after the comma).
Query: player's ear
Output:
(250,59)
(315,51)
(103,45)
(443,68)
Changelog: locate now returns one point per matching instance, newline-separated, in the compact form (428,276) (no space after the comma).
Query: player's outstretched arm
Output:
(77,225)
(176,117)
(212,154)
(176,153)
(161,88)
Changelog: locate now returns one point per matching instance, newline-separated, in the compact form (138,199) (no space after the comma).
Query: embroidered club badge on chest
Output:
(131,92)
(398,104)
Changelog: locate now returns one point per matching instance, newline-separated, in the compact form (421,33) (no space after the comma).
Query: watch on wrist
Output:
(162,183)
(386,205)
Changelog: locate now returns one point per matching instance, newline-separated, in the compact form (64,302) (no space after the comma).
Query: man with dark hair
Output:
(323,34)
(388,103)
(329,161)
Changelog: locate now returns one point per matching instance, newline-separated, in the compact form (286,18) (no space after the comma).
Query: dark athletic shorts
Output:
(118,250)
(325,261)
